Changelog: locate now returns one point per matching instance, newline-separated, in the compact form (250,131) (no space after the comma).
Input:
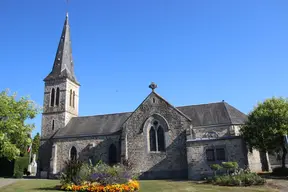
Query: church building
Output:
(159,140)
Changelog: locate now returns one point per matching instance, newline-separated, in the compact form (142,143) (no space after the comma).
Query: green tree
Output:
(14,131)
(267,125)
(36,144)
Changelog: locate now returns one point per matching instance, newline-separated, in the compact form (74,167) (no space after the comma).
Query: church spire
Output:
(63,64)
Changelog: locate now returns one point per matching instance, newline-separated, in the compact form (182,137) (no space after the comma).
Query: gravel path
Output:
(4,182)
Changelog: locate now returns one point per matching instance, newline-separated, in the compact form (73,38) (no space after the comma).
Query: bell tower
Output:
(61,95)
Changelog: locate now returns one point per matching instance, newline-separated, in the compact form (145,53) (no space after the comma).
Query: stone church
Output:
(158,139)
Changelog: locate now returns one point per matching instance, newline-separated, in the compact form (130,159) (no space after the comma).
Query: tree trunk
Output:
(284,150)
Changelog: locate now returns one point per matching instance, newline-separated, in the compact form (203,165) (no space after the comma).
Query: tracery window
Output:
(52,97)
(156,137)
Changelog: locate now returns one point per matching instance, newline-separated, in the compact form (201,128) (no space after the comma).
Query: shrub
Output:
(215,168)
(71,172)
(279,171)
(21,163)
(230,166)
(241,179)
(107,175)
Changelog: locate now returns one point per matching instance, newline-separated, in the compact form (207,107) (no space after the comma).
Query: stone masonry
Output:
(168,164)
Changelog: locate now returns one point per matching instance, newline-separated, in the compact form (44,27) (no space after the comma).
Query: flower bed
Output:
(86,177)
(95,187)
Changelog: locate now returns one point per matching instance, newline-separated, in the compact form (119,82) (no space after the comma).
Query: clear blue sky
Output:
(196,51)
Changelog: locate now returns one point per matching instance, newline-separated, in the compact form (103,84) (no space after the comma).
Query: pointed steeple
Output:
(63,64)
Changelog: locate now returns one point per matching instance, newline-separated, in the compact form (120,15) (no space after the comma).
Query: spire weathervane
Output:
(153,86)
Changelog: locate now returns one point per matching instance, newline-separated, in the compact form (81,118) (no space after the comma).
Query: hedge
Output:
(21,164)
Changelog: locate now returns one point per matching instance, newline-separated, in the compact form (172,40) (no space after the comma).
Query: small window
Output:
(153,100)
(52,125)
(73,153)
(70,100)
(52,97)
(215,154)
(210,155)
(220,154)
(73,99)
(57,96)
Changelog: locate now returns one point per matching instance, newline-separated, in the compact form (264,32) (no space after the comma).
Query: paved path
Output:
(282,185)
(4,182)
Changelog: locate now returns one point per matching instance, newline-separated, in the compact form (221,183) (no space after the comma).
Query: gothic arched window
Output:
(160,138)
(73,153)
(112,154)
(157,137)
(52,97)
(73,99)
(57,96)
(152,136)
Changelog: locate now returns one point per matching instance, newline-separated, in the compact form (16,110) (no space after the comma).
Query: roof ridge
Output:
(104,114)
(200,104)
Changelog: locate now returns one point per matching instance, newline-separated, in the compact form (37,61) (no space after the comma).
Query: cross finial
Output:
(153,86)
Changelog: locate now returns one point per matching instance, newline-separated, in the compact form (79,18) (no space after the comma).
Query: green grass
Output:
(146,186)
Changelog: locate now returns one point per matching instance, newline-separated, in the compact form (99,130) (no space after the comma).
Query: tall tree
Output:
(267,125)
(36,143)
(14,131)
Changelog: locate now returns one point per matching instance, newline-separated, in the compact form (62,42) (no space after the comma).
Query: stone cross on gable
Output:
(153,86)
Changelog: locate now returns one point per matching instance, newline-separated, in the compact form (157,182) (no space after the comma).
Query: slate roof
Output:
(93,125)
(213,114)
(63,64)
(201,115)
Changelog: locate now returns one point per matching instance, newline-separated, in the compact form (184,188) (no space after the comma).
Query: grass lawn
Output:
(36,185)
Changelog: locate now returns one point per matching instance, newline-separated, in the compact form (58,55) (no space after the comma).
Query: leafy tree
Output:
(14,131)
(266,126)
(36,143)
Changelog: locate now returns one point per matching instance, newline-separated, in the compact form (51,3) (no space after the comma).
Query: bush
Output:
(279,171)
(21,163)
(230,166)
(71,172)
(215,168)
(106,175)
(242,179)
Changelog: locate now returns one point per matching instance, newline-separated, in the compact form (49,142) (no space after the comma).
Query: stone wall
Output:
(93,148)
(135,142)
(60,114)
(196,155)
(43,164)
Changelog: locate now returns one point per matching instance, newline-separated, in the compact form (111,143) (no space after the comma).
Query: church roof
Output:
(213,114)
(93,125)
(63,64)
(201,115)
